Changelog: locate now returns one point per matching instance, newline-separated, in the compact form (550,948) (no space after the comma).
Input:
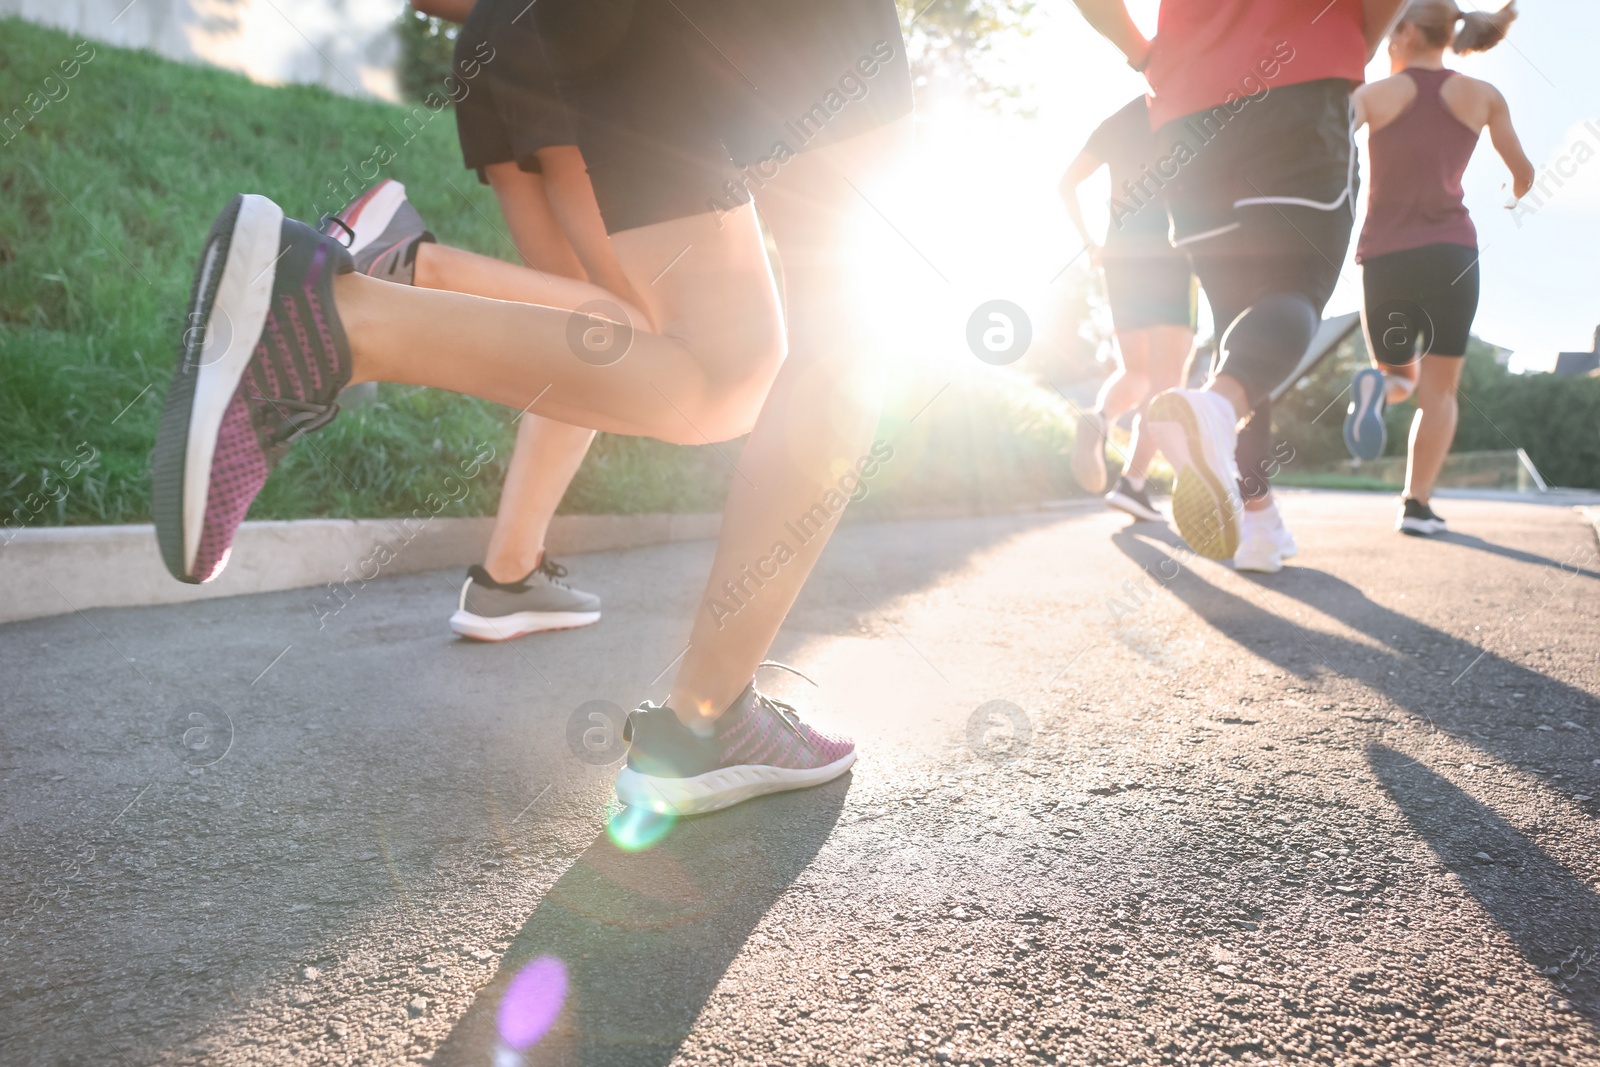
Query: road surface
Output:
(1114,805)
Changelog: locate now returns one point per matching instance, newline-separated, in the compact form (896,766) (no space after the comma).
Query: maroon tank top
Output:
(1417,163)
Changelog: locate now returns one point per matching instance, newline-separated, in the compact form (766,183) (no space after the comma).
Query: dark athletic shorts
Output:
(1420,301)
(1262,191)
(1145,291)
(511,108)
(684,107)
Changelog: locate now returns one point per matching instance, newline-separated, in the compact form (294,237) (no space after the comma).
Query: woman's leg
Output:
(1129,384)
(1168,349)
(1434,427)
(813,435)
(547,453)
(700,378)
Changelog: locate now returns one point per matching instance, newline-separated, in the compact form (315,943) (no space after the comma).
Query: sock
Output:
(1394,381)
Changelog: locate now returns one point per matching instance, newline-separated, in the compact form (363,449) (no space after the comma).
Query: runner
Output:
(515,133)
(678,141)
(1419,249)
(1251,102)
(1151,293)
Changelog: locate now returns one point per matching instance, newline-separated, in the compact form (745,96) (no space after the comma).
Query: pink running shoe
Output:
(758,746)
(263,358)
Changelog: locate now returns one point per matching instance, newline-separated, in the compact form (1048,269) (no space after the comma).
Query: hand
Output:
(1521,183)
(1096,253)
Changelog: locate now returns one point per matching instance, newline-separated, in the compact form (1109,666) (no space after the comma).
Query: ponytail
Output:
(1479,32)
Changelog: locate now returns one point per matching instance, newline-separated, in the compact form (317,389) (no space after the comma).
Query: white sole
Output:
(1205,490)
(244,296)
(1423,527)
(521,624)
(721,788)
(373,216)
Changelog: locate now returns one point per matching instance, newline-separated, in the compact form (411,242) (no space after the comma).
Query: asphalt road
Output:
(1342,814)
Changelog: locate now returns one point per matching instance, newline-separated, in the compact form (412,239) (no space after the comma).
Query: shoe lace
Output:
(784,711)
(553,571)
(301,416)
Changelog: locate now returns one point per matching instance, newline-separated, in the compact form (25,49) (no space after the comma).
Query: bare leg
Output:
(700,378)
(1129,384)
(1434,427)
(813,433)
(547,454)
(1168,348)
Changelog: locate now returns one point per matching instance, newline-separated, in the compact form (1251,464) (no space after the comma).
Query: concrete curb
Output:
(56,570)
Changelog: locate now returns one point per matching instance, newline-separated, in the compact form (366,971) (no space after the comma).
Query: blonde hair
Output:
(1479,32)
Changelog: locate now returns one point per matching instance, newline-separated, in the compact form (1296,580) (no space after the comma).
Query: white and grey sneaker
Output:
(1264,541)
(1196,431)
(381,230)
(500,611)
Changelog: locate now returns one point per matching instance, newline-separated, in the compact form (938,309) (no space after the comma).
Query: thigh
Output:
(535,230)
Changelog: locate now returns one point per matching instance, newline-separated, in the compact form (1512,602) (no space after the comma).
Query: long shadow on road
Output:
(1551,915)
(646,936)
(1469,711)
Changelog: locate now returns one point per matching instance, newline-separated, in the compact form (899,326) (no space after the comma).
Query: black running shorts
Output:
(1145,291)
(683,107)
(1262,191)
(1419,301)
(510,109)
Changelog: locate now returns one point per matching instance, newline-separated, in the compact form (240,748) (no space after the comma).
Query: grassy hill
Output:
(109,179)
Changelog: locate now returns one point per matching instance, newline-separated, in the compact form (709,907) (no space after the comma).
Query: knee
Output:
(1276,321)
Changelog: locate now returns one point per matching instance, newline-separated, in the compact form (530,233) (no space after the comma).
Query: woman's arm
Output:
(1377,19)
(1358,105)
(449,10)
(1077,173)
(1505,141)
(1111,20)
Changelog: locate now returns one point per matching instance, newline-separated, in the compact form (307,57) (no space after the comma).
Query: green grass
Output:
(105,196)
(1330,480)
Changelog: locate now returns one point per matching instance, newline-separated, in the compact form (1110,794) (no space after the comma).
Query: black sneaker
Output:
(499,611)
(1136,502)
(758,746)
(1418,519)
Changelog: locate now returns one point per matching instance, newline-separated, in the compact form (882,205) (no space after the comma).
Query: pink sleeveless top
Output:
(1417,163)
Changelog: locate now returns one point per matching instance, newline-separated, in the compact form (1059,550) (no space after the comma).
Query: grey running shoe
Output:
(759,745)
(494,611)
(382,231)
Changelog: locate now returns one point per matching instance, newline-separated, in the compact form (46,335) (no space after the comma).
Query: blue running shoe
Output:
(1364,433)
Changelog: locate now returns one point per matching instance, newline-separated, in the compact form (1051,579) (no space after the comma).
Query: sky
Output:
(978,205)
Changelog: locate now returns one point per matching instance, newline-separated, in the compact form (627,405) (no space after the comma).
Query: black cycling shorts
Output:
(1262,191)
(683,107)
(511,108)
(1145,291)
(1419,301)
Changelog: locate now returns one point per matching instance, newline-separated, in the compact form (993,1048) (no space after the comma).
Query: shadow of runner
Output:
(1551,915)
(646,936)
(1567,567)
(1469,711)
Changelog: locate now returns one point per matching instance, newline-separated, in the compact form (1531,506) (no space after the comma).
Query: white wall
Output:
(347,46)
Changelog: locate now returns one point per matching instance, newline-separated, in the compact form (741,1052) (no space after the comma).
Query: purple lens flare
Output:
(532,1002)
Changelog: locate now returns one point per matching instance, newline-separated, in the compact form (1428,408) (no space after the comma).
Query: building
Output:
(1575,364)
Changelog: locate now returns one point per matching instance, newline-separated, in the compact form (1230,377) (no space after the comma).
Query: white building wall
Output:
(347,46)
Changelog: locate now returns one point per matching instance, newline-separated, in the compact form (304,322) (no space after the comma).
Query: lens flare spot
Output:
(532,1002)
(637,828)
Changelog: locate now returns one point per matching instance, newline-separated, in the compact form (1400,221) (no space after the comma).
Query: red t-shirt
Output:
(1208,52)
